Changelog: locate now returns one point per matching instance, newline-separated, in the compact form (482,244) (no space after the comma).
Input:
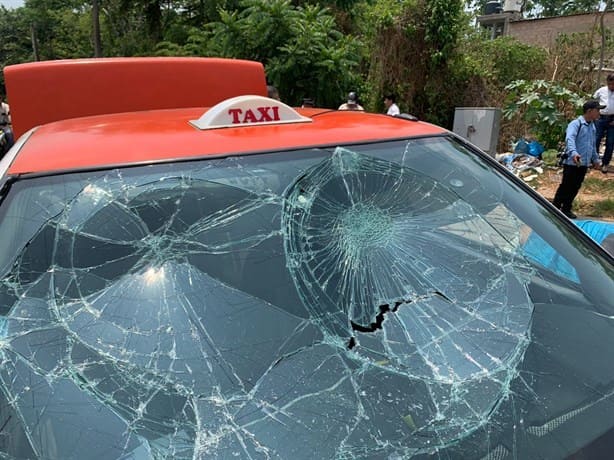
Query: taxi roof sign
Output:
(248,110)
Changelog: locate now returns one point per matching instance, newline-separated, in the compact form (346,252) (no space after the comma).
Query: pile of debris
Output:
(525,161)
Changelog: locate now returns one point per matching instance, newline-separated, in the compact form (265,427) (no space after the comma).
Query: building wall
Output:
(543,31)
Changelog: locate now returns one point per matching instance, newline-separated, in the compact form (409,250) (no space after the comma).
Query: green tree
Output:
(304,53)
(503,60)
(196,13)
(413,52)
(257,31)
(317,61)
(151,14)
(133,28)
(489,66)
(545,106)
(564,7)
(96,28)
(444,20)
(16,45)
(60,28)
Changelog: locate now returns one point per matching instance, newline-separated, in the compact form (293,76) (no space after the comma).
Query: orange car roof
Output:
(42,92)
(163,135)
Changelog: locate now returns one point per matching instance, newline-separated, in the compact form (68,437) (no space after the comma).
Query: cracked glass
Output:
(388,300)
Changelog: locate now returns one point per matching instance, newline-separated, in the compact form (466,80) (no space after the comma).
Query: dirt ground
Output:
(596,197)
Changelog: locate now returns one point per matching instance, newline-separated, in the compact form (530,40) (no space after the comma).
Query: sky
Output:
(11,3)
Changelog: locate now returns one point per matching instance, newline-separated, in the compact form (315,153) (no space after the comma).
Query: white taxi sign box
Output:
(248,111)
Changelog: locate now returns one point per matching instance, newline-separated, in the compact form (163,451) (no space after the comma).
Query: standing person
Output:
(605,123)
(391,105)
(5,125)
(581,153)
(272,92)
(352,103)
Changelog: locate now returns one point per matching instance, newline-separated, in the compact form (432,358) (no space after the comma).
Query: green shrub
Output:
(549,157)
(504,60)
(546,106)
(304,53)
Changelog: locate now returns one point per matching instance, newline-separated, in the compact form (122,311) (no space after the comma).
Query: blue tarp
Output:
(539,251)
(597,230)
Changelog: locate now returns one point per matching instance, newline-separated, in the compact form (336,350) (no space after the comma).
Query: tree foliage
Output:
(504,60)
(427,52)
(562,7)
(304,53)
(413,48)
(15,46)
(545,106)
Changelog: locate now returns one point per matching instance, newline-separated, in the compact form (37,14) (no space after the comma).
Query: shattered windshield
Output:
(387,300)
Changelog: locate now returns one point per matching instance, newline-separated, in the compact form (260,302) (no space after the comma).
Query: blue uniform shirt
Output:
(580,139)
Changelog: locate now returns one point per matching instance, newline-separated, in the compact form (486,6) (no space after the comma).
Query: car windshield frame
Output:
(386,299)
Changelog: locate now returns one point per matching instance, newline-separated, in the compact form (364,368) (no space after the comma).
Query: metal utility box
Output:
(479,125)
(512,6)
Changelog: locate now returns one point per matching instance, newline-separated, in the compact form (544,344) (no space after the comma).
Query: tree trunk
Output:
(96,29)
(35,51)
(153,15)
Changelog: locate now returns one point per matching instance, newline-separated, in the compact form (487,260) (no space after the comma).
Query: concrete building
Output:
(542,31)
